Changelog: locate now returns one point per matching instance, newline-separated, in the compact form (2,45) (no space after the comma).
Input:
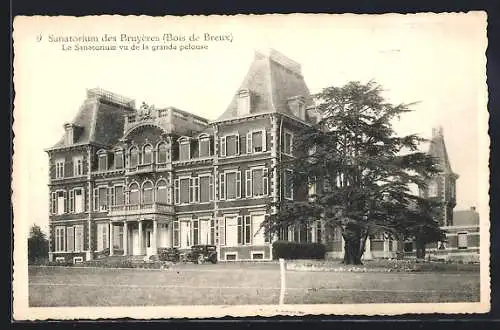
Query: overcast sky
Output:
(437,60)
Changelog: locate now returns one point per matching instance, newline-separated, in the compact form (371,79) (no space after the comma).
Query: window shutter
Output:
(222,187)
(65,194)
(265,181)
(223,146)
(53,202)
(177,191)
(248,188)
(197,189)
(211,188)
(191,190)
(222,231)
(241,230)
(71,201)
(237,144)
(264,140)
(249,143)
(238,184)
(247,230)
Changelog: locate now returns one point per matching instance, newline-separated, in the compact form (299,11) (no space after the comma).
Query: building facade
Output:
(130,181)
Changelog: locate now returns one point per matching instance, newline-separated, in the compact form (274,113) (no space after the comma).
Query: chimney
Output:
(244,102)
(437,131)
(473,208)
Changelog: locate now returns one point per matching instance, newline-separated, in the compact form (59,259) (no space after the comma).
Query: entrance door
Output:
(149,243)
(136,251)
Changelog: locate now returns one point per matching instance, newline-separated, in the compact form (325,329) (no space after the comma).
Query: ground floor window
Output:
(60,239)
(102,236)
(176,233)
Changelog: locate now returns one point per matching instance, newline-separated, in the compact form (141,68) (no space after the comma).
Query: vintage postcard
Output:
(247,165)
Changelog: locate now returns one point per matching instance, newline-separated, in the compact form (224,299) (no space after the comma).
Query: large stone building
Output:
(134,180)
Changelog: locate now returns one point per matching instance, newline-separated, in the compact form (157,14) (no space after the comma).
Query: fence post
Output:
(283,281)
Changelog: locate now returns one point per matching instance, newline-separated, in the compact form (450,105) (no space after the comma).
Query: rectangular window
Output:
(462,240)
(60,168)
(103,198)
(184,190)
(288,143)
(184,151)
(119,195)
(118,160)
(60,236)
(194,190)
(176,233)
(204,147)
(231,231)
(71,201)
(205,188)
(256,141)
(79,200)
(257,182)
(233,184)
(222,186)
(185,233)
(257,232)
(102,236)
(103,163)
(61,202)
(232,145)
(212,232)
(78,238)
(177,191)
(288,184)
(70,239)
(77,166)
(53,202)
(318,233)
(195,232)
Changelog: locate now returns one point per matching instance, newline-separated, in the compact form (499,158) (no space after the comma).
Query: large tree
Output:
(38,245)
(361,170)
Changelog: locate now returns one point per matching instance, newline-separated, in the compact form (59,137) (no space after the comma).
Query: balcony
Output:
(146,168)
(137,209)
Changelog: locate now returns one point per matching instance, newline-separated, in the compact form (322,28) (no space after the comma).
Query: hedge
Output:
(294,250)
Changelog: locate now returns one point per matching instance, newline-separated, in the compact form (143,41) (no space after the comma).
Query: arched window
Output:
(162,153)
(162,192)
(433,189)
(133,196)
(148,155)
(134,157)
(147,192)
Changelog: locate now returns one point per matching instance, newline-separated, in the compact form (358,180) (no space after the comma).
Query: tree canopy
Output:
(358,171)
(38,245)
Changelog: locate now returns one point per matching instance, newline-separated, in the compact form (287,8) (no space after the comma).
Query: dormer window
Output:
(184,148)
(243,102)
(297,106)
(102,160)
(70,133)
(256,141)
(118,159)
(147,155)
(204,146)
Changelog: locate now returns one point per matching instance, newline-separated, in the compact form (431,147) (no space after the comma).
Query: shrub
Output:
(168,254)
(294,250)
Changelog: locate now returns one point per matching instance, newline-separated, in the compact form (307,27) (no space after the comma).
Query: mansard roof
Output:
(437,149)
(272,80)
(466,217)
(100,118)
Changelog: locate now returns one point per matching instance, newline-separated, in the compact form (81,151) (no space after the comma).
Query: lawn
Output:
(230,284)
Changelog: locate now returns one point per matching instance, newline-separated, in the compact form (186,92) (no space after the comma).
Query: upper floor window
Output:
(184,149)
(230,185)
(256,141)
(433,189)
(182,190)
(287,184)
(76,200)
(77,166)
(230,145)
(119,159)
(147,192)
(257,182)
(103,162)
(58,202)
(206,188)
(119,195)
(162,153)
(148,155)
(287,143)
(162,192)
(133,195)
(204,146)
(133,157)
(60,168)
(100,199)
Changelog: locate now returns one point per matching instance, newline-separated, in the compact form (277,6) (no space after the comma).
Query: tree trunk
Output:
(352,250)
(420,245)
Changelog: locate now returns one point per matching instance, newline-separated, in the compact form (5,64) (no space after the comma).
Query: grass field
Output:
(229,284)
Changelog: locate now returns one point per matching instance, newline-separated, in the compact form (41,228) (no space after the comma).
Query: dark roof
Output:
(99,120)
(271,79)
(437,149)
(465,218)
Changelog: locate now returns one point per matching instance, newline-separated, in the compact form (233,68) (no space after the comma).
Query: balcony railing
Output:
(145,208)
(146,168)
